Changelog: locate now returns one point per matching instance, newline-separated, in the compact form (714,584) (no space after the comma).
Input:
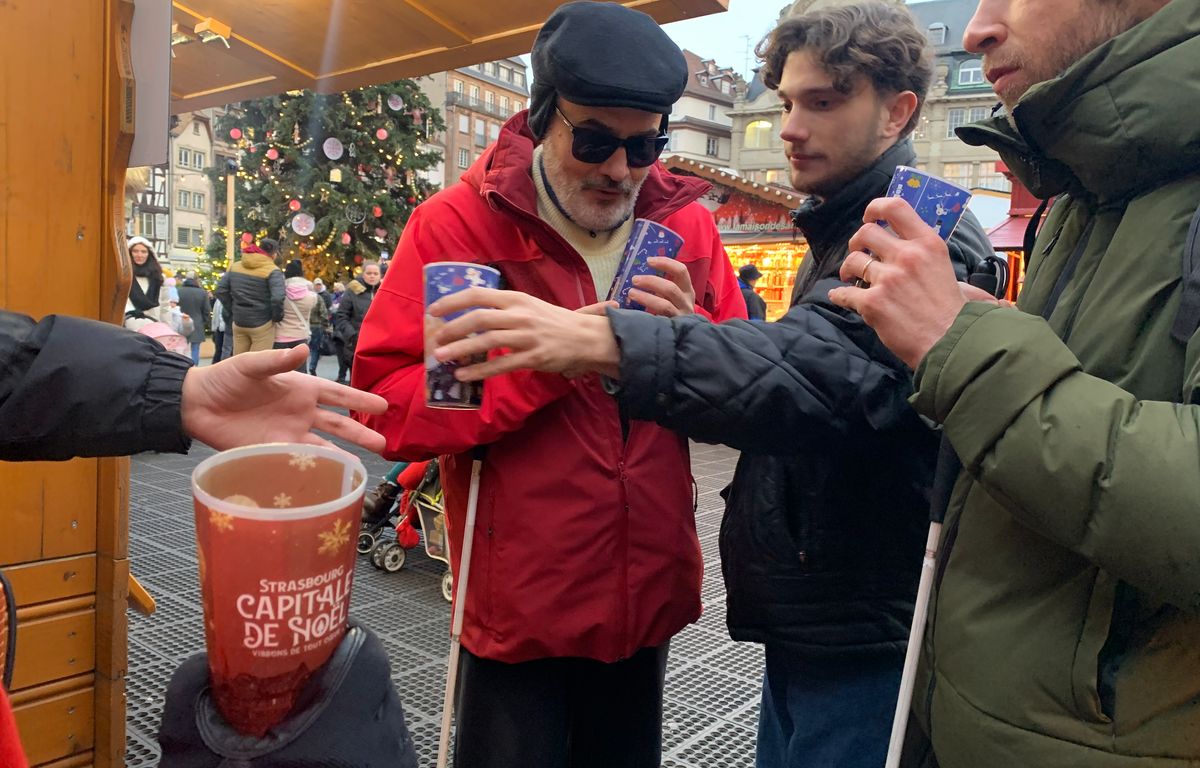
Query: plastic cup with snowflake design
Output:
(275,531)
(444,278)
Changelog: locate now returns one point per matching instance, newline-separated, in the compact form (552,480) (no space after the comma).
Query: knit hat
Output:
(602,54)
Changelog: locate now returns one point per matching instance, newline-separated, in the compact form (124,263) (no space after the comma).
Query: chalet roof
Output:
(768,192)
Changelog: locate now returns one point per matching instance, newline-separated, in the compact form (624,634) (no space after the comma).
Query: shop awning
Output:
(1009,235)
(231,50)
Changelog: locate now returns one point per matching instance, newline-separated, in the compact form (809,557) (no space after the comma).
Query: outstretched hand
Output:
(538,335)
(259,397)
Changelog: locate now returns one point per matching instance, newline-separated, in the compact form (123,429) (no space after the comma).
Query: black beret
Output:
(602,54)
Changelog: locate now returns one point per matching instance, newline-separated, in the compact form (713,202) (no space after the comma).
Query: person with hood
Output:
(251,294)
(756,306)
(148,302)
(298,301)
(1065,614)
(193,302)
(351,312)
(586,560)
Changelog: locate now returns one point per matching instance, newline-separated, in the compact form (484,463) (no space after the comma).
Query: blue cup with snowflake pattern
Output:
(442,279)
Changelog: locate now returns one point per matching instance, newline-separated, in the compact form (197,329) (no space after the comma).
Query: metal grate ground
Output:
(711,706)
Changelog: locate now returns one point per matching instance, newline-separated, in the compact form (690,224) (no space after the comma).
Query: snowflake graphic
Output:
(220,520)
(283,500)
(333,541)
(302,461)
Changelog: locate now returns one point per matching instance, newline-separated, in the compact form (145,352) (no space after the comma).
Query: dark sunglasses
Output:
(593,146)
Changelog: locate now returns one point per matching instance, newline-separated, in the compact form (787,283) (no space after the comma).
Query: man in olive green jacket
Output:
(1065,624)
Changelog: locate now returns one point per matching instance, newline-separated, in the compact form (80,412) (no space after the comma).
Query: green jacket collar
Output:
(1119,121)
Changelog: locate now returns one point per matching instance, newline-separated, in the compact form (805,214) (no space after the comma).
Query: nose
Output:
(986,29)
(616,167)
(794,130)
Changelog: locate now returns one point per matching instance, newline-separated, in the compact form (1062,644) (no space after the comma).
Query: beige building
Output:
(700,123)
(959,95)
(475,101)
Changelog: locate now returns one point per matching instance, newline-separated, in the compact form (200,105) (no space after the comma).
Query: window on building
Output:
(195,128)
(520,81)
(959,173)
(199,160)
(937,34)
(458,87)
(474,95)
(494,131)
(772,177)
(198,200)
(991,178)
(464,124)
(712,112)
(518,105)
(185,199)
(464,158)
(489,98)
(198,237)
(711,146)
(955,118)
(480,133)
(185,157)
(758,134)
(978,114)
(494,69)
(970,72)
(183,236)
(146,225)
(479,66)
(703,79)
(725,86)
(504,104)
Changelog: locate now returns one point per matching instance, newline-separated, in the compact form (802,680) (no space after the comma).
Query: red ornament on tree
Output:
(357,257)
(246,236)
(346,240)
(294,205)
(381,134)
(412,200)
(377,211)
(272,154)
(235,133)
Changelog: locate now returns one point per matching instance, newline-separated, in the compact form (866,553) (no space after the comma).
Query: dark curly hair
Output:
(877,40)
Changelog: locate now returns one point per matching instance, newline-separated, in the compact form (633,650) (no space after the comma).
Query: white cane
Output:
(916,636)
(460,601)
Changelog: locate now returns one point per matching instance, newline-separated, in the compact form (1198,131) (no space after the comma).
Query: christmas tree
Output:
(333,177)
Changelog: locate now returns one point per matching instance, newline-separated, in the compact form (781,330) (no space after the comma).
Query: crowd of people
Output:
(1064,430)
(261,303)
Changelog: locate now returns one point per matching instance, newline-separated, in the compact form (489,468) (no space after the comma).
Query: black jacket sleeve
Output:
(278,289)
(813,375)
(73,387)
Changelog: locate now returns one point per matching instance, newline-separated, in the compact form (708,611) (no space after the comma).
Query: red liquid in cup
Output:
(275,577)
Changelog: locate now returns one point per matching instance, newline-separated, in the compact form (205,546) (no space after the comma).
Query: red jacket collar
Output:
(504,169)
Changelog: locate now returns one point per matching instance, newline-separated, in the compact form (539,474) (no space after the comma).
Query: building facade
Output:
(476,101)
(701,128)
(960,95)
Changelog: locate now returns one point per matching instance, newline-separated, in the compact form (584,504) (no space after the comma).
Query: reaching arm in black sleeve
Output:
(73,387)
(761,388)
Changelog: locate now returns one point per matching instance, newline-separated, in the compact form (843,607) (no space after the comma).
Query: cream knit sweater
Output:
(601,251)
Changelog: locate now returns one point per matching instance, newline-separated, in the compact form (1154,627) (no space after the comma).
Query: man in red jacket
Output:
(586,560)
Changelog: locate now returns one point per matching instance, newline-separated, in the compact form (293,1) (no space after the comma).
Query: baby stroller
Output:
(387,535)
(170,338)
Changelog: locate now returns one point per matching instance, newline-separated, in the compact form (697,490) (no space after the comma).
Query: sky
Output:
(729,37)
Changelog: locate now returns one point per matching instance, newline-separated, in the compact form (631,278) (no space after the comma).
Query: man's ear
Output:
(899,108)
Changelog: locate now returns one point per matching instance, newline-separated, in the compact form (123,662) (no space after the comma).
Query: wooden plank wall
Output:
(64,142)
